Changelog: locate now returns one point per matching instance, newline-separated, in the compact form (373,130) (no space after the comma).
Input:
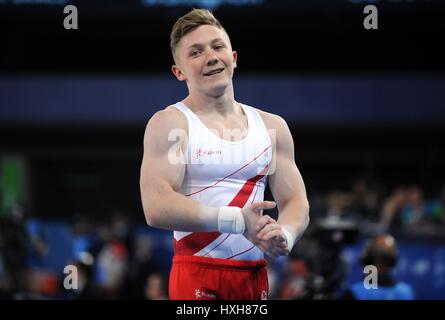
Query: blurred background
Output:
(365,107)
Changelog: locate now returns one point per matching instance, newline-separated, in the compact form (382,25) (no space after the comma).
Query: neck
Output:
(223,104)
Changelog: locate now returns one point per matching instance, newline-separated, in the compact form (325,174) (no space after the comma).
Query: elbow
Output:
(307,221)
(149,205)
(151,217)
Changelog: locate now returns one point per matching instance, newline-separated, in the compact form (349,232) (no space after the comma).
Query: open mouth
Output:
(216,71)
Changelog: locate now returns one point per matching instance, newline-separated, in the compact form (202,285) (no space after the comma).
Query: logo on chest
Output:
(207,152)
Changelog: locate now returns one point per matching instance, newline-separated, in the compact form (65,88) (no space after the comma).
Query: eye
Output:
(219,46)
(195,53)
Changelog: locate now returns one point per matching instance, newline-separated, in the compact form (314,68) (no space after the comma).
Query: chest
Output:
(210,158)
(232,128)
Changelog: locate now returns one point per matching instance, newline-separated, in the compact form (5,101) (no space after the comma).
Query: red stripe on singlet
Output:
(214,184)
(195,242)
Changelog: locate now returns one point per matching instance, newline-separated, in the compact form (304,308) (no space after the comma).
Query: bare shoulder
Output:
(163,122)
(272,121)
(168,118)
(278,130)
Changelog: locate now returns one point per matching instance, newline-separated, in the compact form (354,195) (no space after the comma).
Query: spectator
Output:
(141,267)
(391,209)
(363,204)
(381,252)
(155,287)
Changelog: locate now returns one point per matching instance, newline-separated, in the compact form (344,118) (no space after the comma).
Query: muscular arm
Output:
(160,178)
(286,183)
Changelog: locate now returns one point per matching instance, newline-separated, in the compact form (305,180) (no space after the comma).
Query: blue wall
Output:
(374,99)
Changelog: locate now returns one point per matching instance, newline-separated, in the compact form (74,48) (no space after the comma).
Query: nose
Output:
(212,60)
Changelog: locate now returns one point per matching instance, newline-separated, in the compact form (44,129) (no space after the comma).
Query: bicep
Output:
(163,164)
(286,182)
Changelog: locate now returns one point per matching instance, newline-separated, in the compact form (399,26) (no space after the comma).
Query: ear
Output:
(235,57)
(178,73)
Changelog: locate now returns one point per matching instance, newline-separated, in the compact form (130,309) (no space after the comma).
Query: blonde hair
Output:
(189,22)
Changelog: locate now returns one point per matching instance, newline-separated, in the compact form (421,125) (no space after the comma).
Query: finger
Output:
(267,229)
(266,247)
(280,251)
(263,221)
(281,238)
(283,243)
(263,205)
(274,233)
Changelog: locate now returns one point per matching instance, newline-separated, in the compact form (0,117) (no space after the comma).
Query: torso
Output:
(220,172)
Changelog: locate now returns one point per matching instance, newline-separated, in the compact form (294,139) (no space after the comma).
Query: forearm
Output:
(294,215)
(173,211)
(165,208)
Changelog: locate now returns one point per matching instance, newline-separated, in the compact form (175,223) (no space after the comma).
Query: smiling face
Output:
(205,60)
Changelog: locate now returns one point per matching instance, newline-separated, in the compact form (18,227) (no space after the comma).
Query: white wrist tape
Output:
(231,220)
(290,239)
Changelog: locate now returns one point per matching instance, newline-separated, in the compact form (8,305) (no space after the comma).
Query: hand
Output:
(255,221)
(253,214)
(272,236)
